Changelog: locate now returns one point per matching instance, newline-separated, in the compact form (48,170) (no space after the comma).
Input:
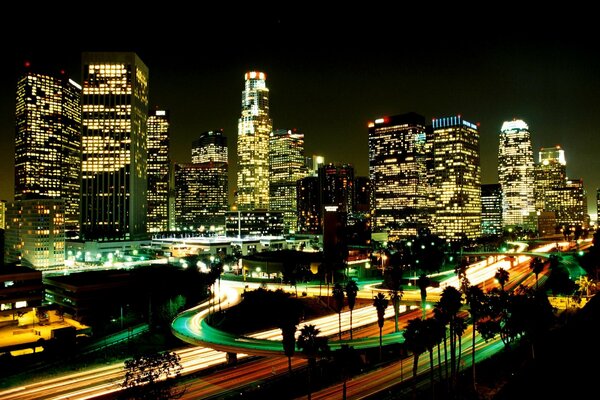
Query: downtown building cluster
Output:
(93,165)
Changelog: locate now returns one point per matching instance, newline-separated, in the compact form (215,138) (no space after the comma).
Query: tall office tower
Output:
(551,172)
(337,186)
(569,202)
(114,182)
(48,141)
(457,178)
(35,233)
(491,209)
(397,167)
(313,163)
(200,195)
(286,167)
(254,128)
(158,171)
(363,195)
(211,146)
(515,170)
(597,206)
(308,196)
(2,213)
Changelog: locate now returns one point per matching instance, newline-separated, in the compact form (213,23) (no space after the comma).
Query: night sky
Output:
(329,76)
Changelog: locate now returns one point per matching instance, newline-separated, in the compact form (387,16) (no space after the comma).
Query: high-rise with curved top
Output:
(515,172)
(254,128)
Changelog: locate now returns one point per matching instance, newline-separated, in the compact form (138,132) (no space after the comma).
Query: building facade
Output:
(211,146)
(308,203)
(337,186)
(35,233)
(242,224)
(20,290)
(398,171)
(457,179)
(48,141)
(114,133)
(201,192)
(569,203)
(550,173)
(491,209)
(286,167)
(516,172)
(2,214)
(159,165)
(254,127)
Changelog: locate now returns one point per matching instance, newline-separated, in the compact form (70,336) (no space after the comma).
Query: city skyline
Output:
(505,78)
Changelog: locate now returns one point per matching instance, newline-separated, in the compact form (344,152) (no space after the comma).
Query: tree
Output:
(393,282)
(288,331)
(338,297)
(537,266)
(585,284)
(414,340)
(288,317)
(432,338)
(423,282)
(351,293)
(348,361)
(476,301)
(502,276)
(380,303)
(149,376)
(312,346)
(448,308)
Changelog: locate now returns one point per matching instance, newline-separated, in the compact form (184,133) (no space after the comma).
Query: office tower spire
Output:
(254,127)
(115,110)
(515,170)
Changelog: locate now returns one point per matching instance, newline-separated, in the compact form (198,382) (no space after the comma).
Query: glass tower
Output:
(158,170)
(550,173)
(457,179)
(254,127)
(491,209)
(114,181)
(516,172)
(286,167)
(211,146)
(48,142)
(398,172)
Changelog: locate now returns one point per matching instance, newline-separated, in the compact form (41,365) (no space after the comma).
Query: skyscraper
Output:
(115,111)
(398,172)
(286,167)
(158,171)
(211,146)
(200,195)
(336,186)
(254,127)
(308,203)
(551,172)
(48,141)
(457,178)
(2,213)
(515,170)
(569,202)
(491,209)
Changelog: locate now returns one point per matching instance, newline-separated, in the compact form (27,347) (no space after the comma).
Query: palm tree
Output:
(311,345)
(449,306)
(460,325)
(393,281)
(338,297)
(537,266)
(423,282)
(380,303)
(476,301)
(432,338)
(502,276)
(288,331)
(585,284)
(348,361)
(414,340)
(351,293)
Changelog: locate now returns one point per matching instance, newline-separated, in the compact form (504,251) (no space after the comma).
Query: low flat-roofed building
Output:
(20,290)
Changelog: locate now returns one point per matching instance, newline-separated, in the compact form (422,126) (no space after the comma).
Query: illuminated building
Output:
(491,209)
(114,182)
(158,171)
(35,233)
(397,167)
(48,141)
(515,170)
(569,202)
(551,172)
(2,213)
(313,164)
(200,195)
(211,146)
(242,224)
(363,194)
(254,127)
(308,205)
(286,167)
(457,179)
(337,186)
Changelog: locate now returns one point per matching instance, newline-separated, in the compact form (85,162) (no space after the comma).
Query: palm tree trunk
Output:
(432,373)
(380,342)
(414,379)
(344,389)
(340,325)
(452,351)
(439,351)
(473,359)
(309,372)
(350,324)
(290,365)
(396,310)
(446,356)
